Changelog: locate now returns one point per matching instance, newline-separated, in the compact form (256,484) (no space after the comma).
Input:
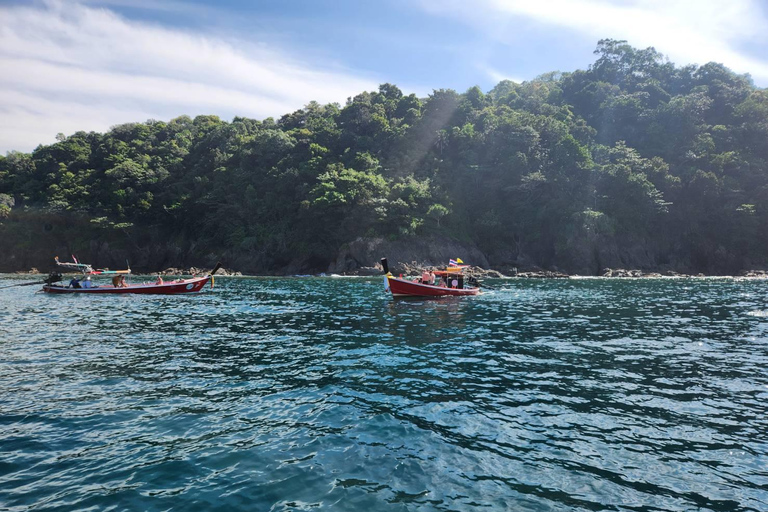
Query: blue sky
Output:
(90,64)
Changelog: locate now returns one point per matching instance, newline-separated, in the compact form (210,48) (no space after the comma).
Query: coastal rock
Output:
(403,255)
(760,274)
(620,272)
(549,274)
(32,271)
(484,273)
(227,272)
(672,273)
(194,271)
(369,271)
(173,272)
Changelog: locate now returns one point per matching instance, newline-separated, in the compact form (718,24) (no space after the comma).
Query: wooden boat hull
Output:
(193,285)
(404,288)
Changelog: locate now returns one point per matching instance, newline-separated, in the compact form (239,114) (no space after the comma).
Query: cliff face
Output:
(100,255)
(583,256)
(32,241)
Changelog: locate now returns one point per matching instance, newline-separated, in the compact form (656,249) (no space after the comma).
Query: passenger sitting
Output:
(159,279)
(74,283)
(87,283)
(425,277)
(119,281)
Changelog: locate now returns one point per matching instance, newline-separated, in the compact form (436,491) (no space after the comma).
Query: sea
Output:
(325,393)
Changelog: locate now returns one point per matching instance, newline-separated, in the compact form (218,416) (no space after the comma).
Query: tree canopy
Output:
(633,160)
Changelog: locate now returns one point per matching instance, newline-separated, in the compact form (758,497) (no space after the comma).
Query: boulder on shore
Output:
(194,271)
(762,274)
(620,272)
(32,271)
(548,274)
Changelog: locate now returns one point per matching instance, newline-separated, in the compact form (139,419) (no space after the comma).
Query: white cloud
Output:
(29,120)
(69,67)
(687,31)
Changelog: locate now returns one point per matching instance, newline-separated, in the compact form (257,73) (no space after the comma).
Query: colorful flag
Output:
(456,263)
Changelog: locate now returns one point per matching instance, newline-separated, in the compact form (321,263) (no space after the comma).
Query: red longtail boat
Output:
(451,280)
(192,285)
(176,287)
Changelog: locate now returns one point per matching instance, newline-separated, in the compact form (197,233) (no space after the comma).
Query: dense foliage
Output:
(634,161)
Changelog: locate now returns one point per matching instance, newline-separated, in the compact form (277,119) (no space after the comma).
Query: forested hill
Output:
(633,163)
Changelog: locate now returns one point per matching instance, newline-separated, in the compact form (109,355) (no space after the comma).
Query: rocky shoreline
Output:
(480,273)
(361,257)
(194,271)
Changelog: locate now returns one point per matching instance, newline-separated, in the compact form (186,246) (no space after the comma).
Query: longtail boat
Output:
(176,287)
(451,281)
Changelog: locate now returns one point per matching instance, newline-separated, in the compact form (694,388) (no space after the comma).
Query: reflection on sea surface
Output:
(295,394)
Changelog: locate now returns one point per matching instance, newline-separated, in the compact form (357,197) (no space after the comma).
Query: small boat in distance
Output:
(451,281)
(176,287)
(85,268)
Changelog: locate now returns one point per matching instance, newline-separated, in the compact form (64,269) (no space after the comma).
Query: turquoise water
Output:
(326,394)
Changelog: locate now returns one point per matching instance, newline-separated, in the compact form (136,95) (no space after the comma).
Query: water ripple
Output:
(297,394)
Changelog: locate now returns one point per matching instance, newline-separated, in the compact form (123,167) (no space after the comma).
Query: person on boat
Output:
(87,283)
(425,277)
(118,281)
(159,279)
(74,283)
(431,278)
